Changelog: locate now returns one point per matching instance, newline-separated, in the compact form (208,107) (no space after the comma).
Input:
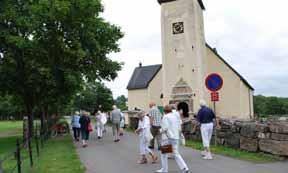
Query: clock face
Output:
(178,27)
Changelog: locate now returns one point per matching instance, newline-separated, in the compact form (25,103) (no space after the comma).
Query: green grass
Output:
(59,155)
(11,127)
(7,144)
(7,149)
(235,153)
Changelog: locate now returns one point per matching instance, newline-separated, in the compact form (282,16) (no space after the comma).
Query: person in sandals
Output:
(145,136)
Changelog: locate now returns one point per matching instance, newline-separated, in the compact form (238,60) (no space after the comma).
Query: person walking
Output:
(85,128)
(206,118)
(116,119)
(75,126)
(155,117)
(170,129)
(145,136)
(122,123)
(101,120)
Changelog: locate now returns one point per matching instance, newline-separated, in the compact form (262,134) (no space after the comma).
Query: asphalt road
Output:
(105,156)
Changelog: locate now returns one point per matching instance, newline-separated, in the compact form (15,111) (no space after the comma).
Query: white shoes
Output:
(203,153)
(208,156)
(161,171)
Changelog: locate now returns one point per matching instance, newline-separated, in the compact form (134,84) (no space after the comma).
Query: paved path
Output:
(105,156)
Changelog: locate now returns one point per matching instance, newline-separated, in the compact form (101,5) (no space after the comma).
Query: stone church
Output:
(187,60)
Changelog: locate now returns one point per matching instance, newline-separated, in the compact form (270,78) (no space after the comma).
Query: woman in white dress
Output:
(145,136)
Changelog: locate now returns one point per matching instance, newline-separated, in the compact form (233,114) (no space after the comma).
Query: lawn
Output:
(10,128)
(7,149)
(59,155)
(235,153)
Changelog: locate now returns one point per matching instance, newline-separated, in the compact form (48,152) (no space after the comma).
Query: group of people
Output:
(167,130)
(153,126)
(81,125)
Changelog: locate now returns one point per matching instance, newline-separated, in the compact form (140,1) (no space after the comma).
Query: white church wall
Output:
(138,98)
(234,95)
(155,89)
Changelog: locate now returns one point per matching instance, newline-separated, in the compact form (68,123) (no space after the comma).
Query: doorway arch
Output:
(185,109)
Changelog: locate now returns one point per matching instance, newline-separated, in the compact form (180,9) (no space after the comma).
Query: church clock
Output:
(178,27)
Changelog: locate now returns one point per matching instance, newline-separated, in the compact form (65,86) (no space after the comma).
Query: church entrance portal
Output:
(185,109)
(182,97)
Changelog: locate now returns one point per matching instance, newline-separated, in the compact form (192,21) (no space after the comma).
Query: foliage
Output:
(48,49)
(95,96)
(264,106)
(120,102)
(10,105)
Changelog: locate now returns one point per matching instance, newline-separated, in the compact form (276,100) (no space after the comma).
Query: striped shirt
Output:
(156,115)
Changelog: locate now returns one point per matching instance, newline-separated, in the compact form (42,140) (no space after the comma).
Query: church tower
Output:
(183,52)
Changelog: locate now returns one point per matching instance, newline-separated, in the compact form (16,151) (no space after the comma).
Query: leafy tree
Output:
(49,48)
(95,96)
(264,106)
(121,102)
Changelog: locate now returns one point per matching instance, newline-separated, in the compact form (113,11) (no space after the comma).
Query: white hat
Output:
(202,103)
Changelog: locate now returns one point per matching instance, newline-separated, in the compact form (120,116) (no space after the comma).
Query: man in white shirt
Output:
(170,128)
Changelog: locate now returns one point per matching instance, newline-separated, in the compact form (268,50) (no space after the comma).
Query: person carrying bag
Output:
(170,129)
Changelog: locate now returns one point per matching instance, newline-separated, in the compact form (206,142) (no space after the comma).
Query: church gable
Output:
(230,67)
(142,76)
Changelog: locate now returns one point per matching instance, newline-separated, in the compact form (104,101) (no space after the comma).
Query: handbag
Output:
(182,139)
(89,127)
(166,148)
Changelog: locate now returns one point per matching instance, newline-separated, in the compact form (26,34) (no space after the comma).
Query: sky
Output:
(251,35)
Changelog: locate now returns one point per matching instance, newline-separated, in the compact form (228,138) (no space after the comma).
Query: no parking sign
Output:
(214,83)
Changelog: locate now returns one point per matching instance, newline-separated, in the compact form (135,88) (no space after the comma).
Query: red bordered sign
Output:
(214,96)
(214,82)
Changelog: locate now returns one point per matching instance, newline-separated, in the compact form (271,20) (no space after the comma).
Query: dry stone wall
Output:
(269,136)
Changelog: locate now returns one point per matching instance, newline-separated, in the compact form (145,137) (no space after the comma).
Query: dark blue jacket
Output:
(205,115)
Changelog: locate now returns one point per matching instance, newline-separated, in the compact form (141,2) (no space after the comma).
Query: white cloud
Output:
(252,35)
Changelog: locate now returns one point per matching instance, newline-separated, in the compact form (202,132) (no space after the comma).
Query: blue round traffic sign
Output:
(214,82)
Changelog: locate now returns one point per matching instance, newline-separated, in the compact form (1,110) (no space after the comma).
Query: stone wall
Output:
(269,136)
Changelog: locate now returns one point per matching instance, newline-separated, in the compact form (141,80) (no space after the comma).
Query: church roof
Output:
(225,62)
(142,76)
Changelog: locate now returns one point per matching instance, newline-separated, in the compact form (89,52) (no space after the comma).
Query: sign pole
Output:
(214,83)
(215,131)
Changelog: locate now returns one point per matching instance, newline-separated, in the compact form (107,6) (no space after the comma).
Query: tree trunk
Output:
(29,111)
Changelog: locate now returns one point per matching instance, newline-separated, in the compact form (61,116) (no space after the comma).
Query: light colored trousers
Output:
(143,145)
(206,133)
(100,128)
(115,129)
(178,158)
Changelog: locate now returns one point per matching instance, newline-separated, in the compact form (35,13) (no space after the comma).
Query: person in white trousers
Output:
(101,120)
(170,130)
(145,136)
(206,117)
